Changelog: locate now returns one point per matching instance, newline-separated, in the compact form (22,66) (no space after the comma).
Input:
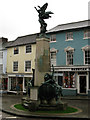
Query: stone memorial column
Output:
(42,63)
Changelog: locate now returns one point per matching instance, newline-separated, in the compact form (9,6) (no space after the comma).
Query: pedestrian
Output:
(18,88)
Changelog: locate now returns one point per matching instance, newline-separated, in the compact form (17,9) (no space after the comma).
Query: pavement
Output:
(80,102)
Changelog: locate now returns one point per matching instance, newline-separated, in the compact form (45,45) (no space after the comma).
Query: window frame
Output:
(85,48)
(86,62)
(26,66)
(69,34)
(86,33)
(70,59)
(15,66)
(53,60)
(53,38)
(16,50)
(27,51)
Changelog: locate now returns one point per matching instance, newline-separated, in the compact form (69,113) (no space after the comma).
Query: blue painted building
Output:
(70,55)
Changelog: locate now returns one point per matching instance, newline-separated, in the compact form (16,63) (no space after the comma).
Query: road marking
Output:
(10,117)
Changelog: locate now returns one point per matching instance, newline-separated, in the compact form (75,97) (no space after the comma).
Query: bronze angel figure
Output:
(43,15)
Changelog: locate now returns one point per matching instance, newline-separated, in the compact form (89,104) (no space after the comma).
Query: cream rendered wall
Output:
(21,58)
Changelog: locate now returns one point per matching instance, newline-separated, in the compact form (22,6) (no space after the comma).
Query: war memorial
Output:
(45,93)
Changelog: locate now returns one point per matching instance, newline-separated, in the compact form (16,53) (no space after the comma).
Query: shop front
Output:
(67,80)
(74,80)
(18,80)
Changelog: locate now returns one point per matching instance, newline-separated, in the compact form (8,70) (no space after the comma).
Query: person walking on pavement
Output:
(18,88)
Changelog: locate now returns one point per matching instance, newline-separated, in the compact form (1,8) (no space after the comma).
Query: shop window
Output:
(4,83)
(27,66)
(69,80)
(16,81)
(13,84)
(28,49)
(16,50)
(15,66)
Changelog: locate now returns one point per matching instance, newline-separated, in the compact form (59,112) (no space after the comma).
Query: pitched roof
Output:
(23,40)
(68,26)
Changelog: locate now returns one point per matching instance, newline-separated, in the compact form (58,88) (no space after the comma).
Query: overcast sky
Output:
(19,18)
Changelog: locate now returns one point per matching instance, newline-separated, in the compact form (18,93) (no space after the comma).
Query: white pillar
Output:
(9,84)
(23,84)
(78,84)
(87,82)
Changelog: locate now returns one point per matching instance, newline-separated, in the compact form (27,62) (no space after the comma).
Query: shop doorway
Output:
(82,84)
(60,79)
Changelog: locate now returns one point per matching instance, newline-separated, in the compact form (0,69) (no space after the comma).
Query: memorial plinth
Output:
(42,63)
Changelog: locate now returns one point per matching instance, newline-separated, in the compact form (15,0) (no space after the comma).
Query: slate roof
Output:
(23,40)
(73,25)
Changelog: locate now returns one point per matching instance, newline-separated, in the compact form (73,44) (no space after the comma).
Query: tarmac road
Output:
(82,103)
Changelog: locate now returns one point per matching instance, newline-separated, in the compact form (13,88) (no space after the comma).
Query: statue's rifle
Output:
(52,71)
(36,9)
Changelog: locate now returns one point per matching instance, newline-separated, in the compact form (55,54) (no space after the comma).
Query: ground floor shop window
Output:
(69,80)
(13,84)
(4,83)
(16,81)
(19,83)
